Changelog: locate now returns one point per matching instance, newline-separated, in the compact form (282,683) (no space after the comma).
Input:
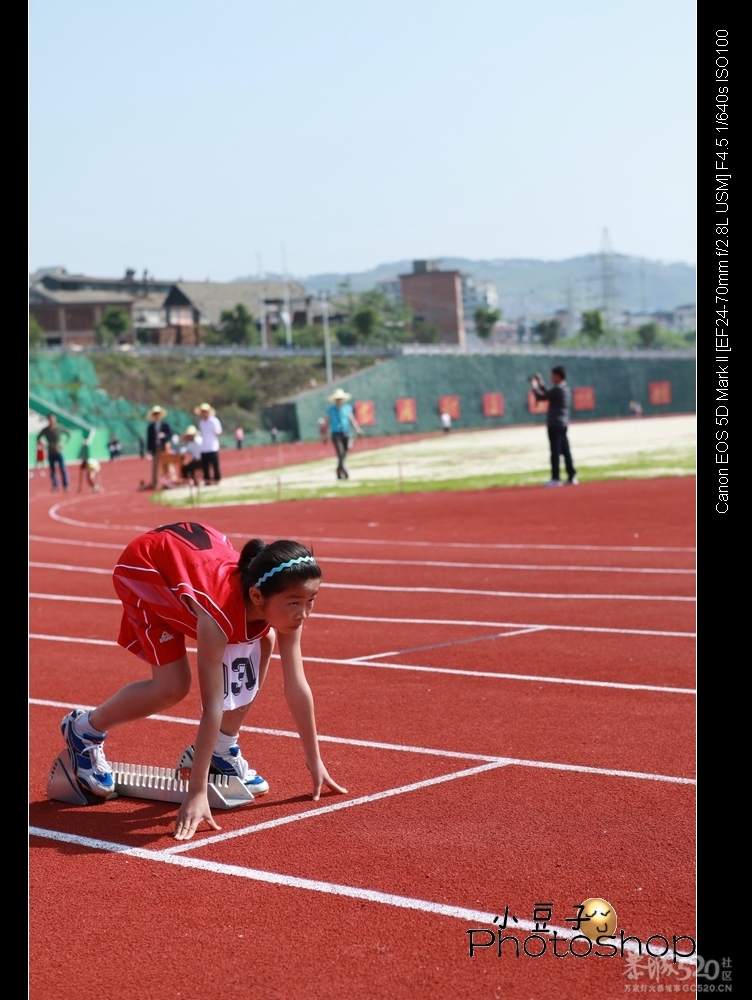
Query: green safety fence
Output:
(405,395)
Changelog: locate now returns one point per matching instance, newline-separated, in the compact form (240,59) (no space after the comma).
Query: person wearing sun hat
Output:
(339,420)
(209,428)
(158,434)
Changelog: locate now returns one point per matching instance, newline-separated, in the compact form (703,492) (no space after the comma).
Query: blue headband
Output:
(284,565)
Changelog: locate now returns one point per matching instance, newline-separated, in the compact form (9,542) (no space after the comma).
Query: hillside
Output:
(545,286)
(237,387)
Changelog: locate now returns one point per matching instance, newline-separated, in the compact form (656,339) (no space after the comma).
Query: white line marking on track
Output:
(416,668)
(73,597)
(291,734)
(67,568)
(501,635)
(531,626)
(544,567)
(75,541)
(537,678)
(402,543)
(504,593)
(313,885)
(520,762)
(547,567)
(54,513)
(334,807)
(70,569)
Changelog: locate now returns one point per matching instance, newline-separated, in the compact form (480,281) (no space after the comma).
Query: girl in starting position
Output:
(187,579)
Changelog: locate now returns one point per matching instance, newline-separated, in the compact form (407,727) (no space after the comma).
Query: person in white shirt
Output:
(191,452)
(209,428)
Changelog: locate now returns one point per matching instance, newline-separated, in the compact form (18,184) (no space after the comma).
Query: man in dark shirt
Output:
(53,436)
(559,398)
(158,433)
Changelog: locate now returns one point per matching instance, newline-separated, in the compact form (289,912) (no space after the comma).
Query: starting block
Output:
(142,781)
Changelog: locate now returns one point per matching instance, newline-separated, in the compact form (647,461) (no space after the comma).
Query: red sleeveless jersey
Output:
(159,569)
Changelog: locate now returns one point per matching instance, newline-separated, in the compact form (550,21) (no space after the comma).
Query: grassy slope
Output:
(238,388)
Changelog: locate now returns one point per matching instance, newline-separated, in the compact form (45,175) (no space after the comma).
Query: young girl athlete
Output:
(187,579)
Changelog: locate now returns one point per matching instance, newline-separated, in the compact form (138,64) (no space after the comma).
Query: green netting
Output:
(615,381)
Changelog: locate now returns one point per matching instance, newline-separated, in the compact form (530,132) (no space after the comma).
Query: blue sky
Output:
(197,139)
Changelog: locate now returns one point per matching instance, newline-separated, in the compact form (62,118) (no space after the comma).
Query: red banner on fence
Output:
(406,410)
(583,397)
(493,404)
(365,412)
(659,393)
(450,405)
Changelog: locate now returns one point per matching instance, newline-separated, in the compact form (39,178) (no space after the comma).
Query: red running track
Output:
(501,748)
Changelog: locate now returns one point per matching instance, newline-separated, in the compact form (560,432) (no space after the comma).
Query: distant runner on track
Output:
(186,579)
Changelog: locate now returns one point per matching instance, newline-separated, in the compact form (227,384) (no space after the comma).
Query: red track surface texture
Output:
(515,726)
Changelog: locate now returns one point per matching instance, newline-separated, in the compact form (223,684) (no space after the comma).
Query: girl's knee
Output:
(173,681)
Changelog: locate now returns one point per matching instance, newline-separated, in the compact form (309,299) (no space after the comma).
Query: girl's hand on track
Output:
(193,811)
(321,777)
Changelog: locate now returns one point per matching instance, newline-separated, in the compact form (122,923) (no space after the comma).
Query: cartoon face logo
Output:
(597,918)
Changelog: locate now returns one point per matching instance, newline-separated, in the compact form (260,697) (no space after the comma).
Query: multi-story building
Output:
(435,296)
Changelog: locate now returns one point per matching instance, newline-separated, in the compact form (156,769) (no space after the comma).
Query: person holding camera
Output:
(559,399)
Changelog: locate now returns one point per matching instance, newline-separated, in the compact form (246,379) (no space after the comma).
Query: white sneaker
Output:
(574,481)
(554,482)
(232,763)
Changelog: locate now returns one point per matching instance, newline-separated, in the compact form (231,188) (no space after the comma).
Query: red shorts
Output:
(144,632)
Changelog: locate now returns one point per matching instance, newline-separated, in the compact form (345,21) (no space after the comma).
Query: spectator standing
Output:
(191,453)
(239,435)
(340,419)
(446,421)
(114,448)
(559,399)
(274,434)
(210,428)
(323,430)
(53,435)
(41,459)
(158,433)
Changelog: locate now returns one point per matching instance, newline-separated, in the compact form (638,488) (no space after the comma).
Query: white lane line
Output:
(76,542)
(313,885)
(520,625)
(536,678)
(501,635)
(531,626)
(291,734)
(416,668)
(438,546)
(520,762)
(70,638)
(546,567)
(66,567)
(503,593)
(74,598)
(335,807)
(70,569)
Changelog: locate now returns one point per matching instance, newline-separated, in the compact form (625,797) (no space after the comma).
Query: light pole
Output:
(264,338)
(327,342)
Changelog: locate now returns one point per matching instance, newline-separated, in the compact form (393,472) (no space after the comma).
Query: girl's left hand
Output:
(321,777)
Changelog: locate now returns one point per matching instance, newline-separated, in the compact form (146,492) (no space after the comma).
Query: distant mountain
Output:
(540,286)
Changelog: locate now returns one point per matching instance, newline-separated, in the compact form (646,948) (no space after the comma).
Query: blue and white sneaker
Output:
(232,763)
(87,757)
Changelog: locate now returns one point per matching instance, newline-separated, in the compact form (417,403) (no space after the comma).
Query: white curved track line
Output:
(54,513)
